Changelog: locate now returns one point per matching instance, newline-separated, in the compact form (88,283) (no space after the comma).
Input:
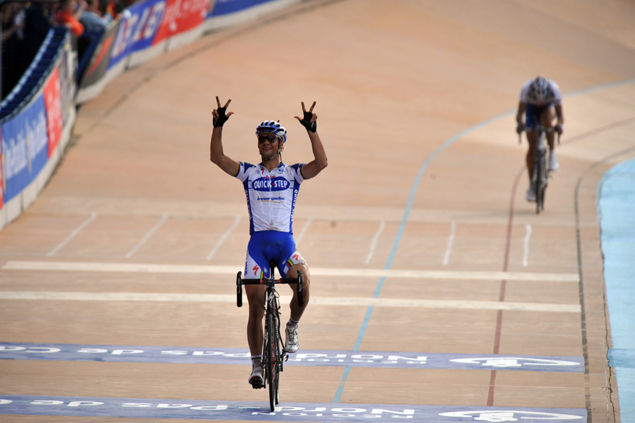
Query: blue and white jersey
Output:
(555,96)
(271,196)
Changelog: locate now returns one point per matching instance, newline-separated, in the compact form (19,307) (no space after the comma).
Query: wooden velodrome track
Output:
(415,102)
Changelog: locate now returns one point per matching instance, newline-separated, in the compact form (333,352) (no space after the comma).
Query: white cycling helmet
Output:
(539,89)
(274,127)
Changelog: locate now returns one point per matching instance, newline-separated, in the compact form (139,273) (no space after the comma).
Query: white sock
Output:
(292,323)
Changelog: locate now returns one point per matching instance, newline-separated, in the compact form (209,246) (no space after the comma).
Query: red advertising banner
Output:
(181,16)
(1,174)
(53,104)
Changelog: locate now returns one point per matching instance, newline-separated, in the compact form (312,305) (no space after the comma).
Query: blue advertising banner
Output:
(225,7)
(159,409)
(314,358)
(137,29)
(24,147)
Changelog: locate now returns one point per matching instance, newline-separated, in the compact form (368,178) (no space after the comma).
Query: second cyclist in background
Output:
(540,102)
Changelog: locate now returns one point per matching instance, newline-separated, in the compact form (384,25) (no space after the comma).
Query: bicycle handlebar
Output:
(533,130)
(270,283)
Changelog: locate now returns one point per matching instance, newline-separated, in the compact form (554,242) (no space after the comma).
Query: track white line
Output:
(303,231)
(526,245)
(320,301)
(448,251)
(223,238)
(92,217)
(147,236)
(373,243)
(315,271)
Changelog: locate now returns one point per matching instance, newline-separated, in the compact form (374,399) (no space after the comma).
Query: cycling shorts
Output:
(265,246)
(533,113)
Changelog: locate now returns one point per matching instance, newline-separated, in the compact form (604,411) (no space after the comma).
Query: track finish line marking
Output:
(232,270)
(320,301)
(241,356)
(253,411)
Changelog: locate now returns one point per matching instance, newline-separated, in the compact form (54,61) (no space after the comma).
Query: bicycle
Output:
(273,353)
(542,173)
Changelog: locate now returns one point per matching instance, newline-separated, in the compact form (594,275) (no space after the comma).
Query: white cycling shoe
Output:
(291,344)
(553,162)
(257,380)
(531,194)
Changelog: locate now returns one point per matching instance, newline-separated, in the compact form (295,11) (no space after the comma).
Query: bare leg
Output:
(296,310)
(256,298)
(292,344)
(547,119)
(532,139)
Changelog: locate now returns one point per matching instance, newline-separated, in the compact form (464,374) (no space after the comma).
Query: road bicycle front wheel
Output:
(539,183)
(544,180)
(543,189)
(266,356)
(273,377)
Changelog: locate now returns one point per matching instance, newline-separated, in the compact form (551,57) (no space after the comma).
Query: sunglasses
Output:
(263,138)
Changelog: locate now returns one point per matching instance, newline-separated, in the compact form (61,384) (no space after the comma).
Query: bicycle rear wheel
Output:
(273,351)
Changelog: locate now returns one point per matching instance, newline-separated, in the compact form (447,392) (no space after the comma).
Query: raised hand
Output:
(220,114)
(309,119)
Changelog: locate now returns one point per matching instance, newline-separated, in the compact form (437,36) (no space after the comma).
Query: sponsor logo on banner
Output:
(24,147)
(225,7)
(2,184)
(137,29)
(181,16)
(53,104)
(509,416)
(507,362)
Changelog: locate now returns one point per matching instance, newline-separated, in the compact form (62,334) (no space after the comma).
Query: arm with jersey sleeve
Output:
(520,117)
(227,164)
(319,162)
(522,108)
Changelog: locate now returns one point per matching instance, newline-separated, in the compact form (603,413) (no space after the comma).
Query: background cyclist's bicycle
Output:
(542,173)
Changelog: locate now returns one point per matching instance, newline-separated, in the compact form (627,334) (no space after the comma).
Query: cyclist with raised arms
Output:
(271,188)
(540,102)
